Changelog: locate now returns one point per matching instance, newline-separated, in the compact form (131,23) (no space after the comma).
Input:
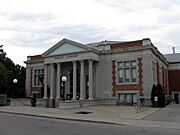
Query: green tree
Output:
(9,72)
(3,79)
(19,74)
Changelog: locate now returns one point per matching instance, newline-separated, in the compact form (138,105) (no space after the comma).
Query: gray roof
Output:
(173,58)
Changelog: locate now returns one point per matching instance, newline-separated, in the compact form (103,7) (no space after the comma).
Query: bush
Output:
(157,91)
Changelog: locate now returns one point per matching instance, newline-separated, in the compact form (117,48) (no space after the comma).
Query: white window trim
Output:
(117,73)
(127,92)
(33,85)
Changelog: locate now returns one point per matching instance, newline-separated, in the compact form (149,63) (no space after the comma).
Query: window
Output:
(161,75)
(127,97)
(127,71)
(154,72)
(121,75)
(133,71)
(127,74)
(38,77)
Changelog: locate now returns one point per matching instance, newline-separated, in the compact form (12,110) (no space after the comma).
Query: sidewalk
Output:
(123,115)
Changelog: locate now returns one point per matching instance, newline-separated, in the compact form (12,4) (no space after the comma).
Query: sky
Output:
(30,27)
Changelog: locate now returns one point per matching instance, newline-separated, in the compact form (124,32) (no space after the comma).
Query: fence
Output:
(143,104)
(3,99)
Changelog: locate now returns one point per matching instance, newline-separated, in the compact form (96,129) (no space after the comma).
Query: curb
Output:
(61,118)
(144,118)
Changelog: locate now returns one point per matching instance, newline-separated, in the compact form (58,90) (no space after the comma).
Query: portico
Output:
(76,66)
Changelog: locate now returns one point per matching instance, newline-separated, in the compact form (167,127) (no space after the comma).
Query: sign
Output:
(156,98)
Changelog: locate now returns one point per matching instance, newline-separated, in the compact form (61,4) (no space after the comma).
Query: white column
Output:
(74,80)
(68,83)
(28,81)
(52,82)
(82,81)
(58,81)
(90,80)
(45,80)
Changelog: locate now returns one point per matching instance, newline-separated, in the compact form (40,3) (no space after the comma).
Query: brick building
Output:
(103,70)
(174,73)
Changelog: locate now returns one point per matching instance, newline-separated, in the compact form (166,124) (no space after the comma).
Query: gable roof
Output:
(76,45)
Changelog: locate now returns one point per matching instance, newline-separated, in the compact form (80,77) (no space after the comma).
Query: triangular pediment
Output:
(66,46)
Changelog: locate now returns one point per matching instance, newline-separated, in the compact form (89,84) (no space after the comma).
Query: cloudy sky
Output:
(29,27)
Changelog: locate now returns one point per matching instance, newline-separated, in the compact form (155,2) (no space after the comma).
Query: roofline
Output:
(68,41)
(121,42)
(33,62)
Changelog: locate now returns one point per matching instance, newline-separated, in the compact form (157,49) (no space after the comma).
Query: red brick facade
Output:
(126,44)
(127,87)
(140,77)
(165,83)
(174,84)
(36,58)
(166,90)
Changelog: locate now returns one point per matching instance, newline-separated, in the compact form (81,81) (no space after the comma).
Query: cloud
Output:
(32,17)
(43,36)
(40,24)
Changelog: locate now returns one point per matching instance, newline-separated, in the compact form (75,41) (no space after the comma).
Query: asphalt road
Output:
(11,124)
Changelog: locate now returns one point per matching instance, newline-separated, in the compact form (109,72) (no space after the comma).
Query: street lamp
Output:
(64,79)
(15,81)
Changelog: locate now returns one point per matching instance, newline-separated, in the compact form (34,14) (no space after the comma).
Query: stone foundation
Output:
(85,103)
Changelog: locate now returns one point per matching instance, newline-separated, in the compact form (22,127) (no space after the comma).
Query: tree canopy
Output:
(8,72)
(3,79)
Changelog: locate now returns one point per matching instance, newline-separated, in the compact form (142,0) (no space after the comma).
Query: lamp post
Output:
(15,81)
(63,79)
(156,101)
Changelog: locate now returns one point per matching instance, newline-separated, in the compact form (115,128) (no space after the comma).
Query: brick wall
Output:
(164,81)
(174,83)
(126,44)
(167,82)
(140,77)
(36,58)
(127,87)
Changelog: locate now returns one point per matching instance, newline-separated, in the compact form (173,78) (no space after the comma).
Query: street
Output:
(12,124)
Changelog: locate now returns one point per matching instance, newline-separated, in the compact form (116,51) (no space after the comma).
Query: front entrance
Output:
(77,84)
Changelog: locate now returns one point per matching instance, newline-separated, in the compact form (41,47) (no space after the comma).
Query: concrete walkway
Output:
(123,115)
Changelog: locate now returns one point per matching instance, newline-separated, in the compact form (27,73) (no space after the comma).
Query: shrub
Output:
(157,91)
